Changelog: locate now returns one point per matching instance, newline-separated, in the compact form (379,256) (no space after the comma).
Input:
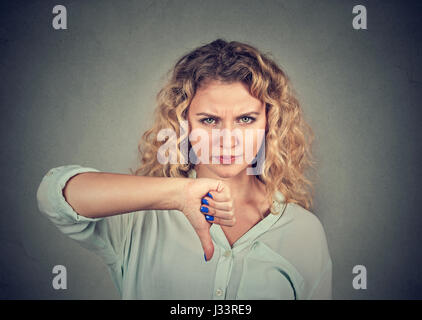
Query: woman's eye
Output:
(244,120)
(208,120)
(247,119)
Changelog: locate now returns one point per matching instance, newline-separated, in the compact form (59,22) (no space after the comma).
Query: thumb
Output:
(206,242)
(219,186)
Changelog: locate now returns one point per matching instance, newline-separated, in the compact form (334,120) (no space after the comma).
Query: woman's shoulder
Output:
(304,217)
(298,222)
(291,211)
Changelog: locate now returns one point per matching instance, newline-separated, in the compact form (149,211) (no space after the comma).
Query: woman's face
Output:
(225,120)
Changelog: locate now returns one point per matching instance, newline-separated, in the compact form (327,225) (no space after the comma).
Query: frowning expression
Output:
(228,121)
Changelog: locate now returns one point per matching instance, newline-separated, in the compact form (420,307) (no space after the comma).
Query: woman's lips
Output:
(227,159)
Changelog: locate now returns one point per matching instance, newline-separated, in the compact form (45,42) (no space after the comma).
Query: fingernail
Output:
(205,257)
(205,201)
(204,209)
(209,195)
(209,218)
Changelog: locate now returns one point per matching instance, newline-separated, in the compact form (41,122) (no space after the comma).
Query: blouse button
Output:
(227,253)
(219,292)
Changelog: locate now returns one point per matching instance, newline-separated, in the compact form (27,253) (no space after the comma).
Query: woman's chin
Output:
(228,171)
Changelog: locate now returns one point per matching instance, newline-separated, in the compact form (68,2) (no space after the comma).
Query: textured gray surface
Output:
(85,95)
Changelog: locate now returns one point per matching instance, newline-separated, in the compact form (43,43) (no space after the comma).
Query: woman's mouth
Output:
(227,159)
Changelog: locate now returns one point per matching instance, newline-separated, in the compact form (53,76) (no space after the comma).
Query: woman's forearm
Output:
(101,194)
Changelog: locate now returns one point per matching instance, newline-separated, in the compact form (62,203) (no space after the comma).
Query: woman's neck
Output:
(243,187)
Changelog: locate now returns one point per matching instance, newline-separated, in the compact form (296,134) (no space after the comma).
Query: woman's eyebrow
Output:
(217,117)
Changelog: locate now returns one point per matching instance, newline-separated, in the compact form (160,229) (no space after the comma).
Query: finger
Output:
(223,222)
(206,242)
(222,214)
(223,193)
(224,206)
(219,197)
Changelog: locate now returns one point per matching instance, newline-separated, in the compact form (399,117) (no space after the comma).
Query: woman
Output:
(223,163)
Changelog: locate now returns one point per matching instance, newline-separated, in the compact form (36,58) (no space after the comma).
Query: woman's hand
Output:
(218,210)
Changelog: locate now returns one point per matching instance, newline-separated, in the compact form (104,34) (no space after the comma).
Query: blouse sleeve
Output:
(323,286)
(104,236)
(316,264)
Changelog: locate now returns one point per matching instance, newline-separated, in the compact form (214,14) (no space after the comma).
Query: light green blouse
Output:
(156,254)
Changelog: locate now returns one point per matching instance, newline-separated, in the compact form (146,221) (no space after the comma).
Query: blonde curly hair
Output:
(288,137)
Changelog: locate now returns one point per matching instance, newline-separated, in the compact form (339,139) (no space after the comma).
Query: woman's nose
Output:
(230,136)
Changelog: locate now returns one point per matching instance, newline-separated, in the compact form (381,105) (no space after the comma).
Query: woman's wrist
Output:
(174,195)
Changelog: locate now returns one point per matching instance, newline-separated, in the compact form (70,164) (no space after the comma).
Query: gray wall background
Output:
(85,95)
